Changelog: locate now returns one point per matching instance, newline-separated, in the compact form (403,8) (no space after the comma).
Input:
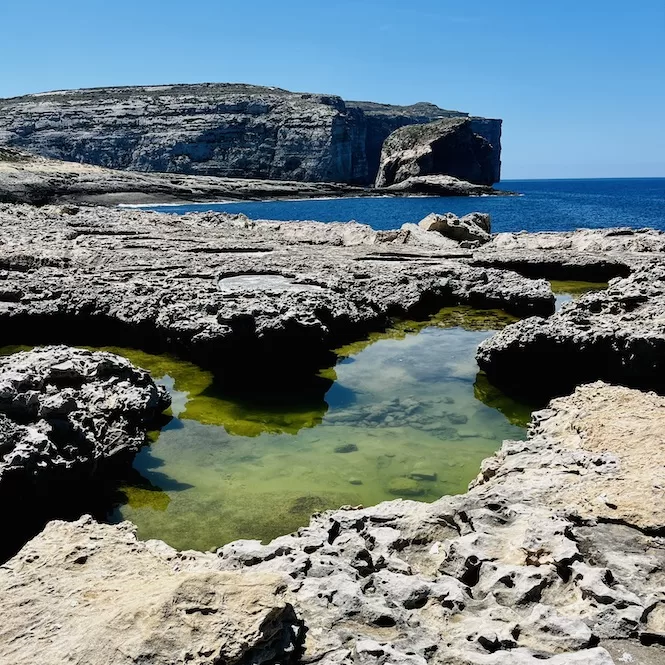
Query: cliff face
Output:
(450,145)
(229,130)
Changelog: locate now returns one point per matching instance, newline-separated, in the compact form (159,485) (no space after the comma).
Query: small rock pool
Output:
(407,415)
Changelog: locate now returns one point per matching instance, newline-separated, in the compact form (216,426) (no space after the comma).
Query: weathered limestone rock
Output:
(86,593)
(556,553)
(528,565)
(28,178)
(229,130)
(471,230)
(439,185)
(615,335)
(66,414)
(449,146)
(253,299)
(594,255)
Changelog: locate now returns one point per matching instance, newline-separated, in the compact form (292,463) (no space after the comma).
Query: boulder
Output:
(472,228)
(66,414)
(89,593)
(448,146)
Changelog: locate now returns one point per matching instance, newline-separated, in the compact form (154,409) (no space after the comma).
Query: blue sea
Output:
(543,205)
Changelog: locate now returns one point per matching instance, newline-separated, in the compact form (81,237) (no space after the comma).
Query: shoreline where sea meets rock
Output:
(29,178)
(557,550)
(226,129)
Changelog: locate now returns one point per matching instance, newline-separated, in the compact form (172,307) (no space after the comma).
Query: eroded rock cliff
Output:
(450,146)
(228,130)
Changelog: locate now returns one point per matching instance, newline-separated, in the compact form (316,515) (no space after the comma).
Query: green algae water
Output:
(565,291)
(406,415)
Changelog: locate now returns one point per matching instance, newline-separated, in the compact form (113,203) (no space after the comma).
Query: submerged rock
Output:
(67,414)
(97,595)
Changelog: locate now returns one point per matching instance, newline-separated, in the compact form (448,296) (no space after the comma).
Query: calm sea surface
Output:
(545,205)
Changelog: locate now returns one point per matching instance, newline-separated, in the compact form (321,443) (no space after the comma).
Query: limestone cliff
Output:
(230,130)
(451,146)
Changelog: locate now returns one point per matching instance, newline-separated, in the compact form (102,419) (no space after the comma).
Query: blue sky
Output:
(580,85)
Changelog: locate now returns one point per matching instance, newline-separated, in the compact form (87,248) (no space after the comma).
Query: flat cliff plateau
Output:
(218,129)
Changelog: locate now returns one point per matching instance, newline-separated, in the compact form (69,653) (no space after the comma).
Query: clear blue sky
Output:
(579,84)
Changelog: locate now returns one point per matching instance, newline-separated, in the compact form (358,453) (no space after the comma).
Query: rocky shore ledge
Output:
(29,178)
(257,301)
(556,553)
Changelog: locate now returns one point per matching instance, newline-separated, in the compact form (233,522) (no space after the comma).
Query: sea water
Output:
(543,205)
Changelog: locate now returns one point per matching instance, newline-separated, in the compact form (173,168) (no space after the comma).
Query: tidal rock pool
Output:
(405,414)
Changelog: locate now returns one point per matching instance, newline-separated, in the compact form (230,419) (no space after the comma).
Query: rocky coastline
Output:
(29,178)
(556,552)
(234,131)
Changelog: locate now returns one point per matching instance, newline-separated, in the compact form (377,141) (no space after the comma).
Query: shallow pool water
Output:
(406,415)
(565,291)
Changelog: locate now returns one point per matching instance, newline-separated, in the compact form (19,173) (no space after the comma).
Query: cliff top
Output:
(424,109)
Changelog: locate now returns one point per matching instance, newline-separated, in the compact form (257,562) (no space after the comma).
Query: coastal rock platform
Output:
(247,298)
(545,558)
(29,178)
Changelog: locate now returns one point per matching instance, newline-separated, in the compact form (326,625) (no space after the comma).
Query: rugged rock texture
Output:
(555,554)
(448,147)
(66,414)
(439,185)
(27,178)
(383,119)
(470,231)
(616,335)
(252,299)
(594,255)
(88,593)
(547,557)
(228,130)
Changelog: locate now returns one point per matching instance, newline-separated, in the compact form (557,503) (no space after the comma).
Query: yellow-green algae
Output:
(237,470)
(408,411)
(576,289)
(565,291)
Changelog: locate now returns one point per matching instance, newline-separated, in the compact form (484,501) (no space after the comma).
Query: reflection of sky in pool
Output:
(404,417)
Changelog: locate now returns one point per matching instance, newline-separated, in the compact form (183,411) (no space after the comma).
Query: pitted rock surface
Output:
(594,255)
(522,568)
(86,593)
(616,335)
(67,413)
(104,275)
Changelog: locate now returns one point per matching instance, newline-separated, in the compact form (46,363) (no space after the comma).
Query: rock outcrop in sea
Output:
(451,146)
(226,130)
